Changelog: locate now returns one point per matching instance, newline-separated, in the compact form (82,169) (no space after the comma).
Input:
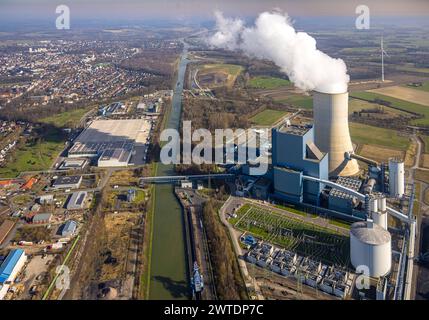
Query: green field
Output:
(66,119)
(365,134)
(358,105)
(267,117)
(34,156)
(413,69)
(304,102)
(264,82)
(307,239)
(232,69)
(397,103)
(423,87)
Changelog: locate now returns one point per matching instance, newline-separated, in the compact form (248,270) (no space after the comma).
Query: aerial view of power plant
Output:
(239,151)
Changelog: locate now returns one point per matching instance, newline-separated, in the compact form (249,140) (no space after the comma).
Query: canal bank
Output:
(168,271)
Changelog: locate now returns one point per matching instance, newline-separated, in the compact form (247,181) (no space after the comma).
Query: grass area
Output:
(365,134)
(267,117)
(264,82)
(298,101)
(307,239)
(295,211)
(33,234)
(147,243)
(413,69)
(398,104)
(232,69)
(21,199)
(140,196)
(359,105)
(66,119)
(423,87)
(416,205)
(33,156)
(379,153)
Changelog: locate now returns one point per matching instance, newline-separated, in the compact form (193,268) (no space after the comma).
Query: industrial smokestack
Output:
(331,131)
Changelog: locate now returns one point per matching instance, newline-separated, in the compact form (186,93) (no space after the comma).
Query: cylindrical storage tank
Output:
(396,178)
(373,204)
(371,246)
(331,131)
(382,204)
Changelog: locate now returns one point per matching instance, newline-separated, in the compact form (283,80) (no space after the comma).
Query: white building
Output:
(114,158)
(10,268)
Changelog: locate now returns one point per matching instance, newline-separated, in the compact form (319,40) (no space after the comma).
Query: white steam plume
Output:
(274,38)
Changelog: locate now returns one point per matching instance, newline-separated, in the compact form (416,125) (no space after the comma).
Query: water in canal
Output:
(169,278)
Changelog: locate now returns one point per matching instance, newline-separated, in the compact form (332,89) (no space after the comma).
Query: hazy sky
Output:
(183,9)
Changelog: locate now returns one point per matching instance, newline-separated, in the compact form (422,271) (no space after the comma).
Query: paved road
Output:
(420,277)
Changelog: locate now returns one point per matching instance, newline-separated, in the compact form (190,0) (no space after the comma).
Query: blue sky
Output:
(18,10)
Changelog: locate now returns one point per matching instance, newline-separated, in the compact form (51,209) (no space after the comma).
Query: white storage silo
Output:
(380,217)
(371,246)
(396,178)
(331,131)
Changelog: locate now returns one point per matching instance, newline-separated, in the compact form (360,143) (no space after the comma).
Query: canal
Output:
(169,275)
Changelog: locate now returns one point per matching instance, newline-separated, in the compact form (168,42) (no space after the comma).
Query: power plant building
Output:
(342,201)
(331,131)
(294,154)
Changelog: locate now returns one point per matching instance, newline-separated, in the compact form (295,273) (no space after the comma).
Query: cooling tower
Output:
(331,131)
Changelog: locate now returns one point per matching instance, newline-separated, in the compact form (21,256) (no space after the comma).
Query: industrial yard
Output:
(323,243)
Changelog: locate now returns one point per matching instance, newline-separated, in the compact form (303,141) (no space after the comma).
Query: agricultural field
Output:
(356,105)
(379,154)
(264,82)
(66,119)
(404,93)
(424,71)
(316,242)
(268,117)
(365,134)
(218,75)
(397,103)
(422,175)
(299,101)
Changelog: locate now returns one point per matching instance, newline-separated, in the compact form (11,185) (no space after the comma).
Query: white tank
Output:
(373,204)
(380,217)
(396,178)
(382,204)
(371,246)
(331,131)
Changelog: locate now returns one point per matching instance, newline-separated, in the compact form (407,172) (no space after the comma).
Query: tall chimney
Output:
(331,131)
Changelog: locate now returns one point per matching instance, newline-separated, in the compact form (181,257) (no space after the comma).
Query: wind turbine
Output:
(382,59)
